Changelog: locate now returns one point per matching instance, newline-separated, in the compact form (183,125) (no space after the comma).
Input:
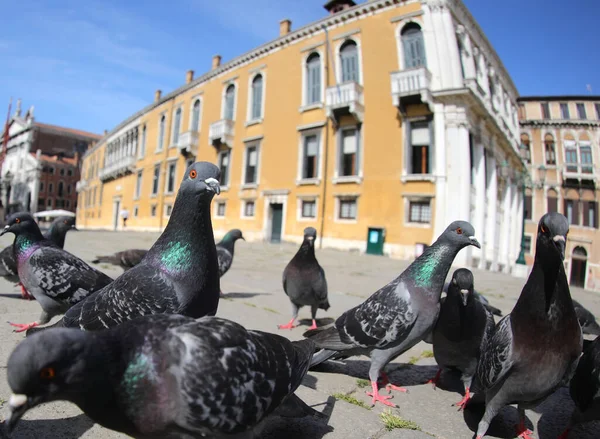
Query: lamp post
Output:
(523,177)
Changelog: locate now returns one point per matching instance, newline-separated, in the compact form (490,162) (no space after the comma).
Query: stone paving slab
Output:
(254,298)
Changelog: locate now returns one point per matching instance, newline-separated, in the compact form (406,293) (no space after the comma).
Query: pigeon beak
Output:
(474,242)
(561,243)
(464,295)
(5,229)
(19,404)
(213,185)
(241,237)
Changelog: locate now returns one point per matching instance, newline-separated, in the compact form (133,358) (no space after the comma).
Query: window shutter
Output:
(586,213)
(576,212)
(552,204)
(349,144)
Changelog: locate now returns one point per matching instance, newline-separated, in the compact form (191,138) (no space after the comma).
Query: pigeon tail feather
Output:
(321,357)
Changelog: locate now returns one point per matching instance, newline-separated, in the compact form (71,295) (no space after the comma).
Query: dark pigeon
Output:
(163,376)
(586,319)
(399,315)
(55,277)
(304,280)
(180,273)
(126,259)
(463,327)
(225,250)
(495,311)
(534,349)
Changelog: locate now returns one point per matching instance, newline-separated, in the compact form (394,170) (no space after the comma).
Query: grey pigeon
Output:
(55,233)
(180,273)
(304,280)
(463,327)
(125,259)
(55,277)
(585,387)
(163,376)
(535,348)
(225,250)
(397,316)
(586,319)
(482,299)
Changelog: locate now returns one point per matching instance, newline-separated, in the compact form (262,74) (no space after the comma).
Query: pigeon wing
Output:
(496,358)
(225,258)
(8,263)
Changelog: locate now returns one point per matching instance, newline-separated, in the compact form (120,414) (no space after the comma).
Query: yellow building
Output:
(387,119)
(560,136)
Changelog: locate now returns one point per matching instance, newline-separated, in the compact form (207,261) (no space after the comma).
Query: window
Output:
(571,211)
(310,157)
(545,113)
(41,202)
(597,111)
(188,163)
(69,189)
(60,188)
(155,179)
(50,188)
(136,211)
(347,208)
(571,156)
(528,207)
(62,172)
(70,172)
(170,184)
(138,185)
(142,151)
(100,195)
(168,210)
(309,209)
(550,150)
(161,133)
(587,164)
(224,167)
(419,212)
(564,111)
(42,186)
(581,111)
(349,61)
(251,165)
(349,152)
(313,79)
(51,169)
(420,140)
(527,244)
(221,206)
(229,102)
(176,127)
(49,204)
(526,148)
(153,210)
(412,44)
(68,204)
(249,208)
(195,124)
(590,214)
(257,93)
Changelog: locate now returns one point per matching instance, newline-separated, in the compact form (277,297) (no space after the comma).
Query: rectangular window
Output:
(527,244)
(347,208)
(587,165)
(168,210)
(221,206)
(224,167)
(309,209)
(564,111)
(552,204)
(155,179)
(592,214)
(49,204)
(249,208)
(170,186)
(50,188)
(349,152)
(251,164)
(581,111)
(420,141)
(420,212)
(545,110)
(310,156)
(313,79)
(138,184)
(42,186)
(528,207)
(136,211)
(550,153)
(571,159)
(176,127)
(161,133)
(153,210)
(571,211)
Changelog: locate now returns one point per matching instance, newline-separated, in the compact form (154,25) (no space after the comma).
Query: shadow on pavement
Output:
(320,322)
(11,296)
(241,295)
(504,425)
(301,428)
(69,428)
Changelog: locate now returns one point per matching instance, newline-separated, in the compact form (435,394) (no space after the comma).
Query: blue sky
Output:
(89,65)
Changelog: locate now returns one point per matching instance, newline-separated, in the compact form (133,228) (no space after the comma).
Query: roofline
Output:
(559,98)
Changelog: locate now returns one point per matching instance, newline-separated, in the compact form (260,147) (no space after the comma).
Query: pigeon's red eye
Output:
(17,220)
(64,222)
(459,231)
(193,174)
(47,373)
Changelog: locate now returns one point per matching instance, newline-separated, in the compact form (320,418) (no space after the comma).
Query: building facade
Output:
(41,164)
(560,137)
(378,125)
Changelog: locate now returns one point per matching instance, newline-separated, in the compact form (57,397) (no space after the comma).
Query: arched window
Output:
(413,46)
(349,61)
(257,92)
(229,102)
(552,200)
(313,79)
(61,188)
(525,148)
(161,133)
(176,126)
(550,152)
(195,126)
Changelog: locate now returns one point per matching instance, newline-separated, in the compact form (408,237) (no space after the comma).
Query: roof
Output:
(56,159)
(67,130)
(331,3)
(559,98)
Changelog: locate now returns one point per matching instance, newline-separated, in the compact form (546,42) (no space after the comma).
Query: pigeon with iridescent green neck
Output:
(397,316)
(180,273)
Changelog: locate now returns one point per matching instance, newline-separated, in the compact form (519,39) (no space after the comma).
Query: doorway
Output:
(116,210)
(276,222)
(578,267)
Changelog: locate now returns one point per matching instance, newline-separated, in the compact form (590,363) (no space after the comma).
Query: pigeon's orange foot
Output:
(379,398)
(314,325)
(463,402)
(389,386)
(435,379)
(289,325)
(24,293)
(565,434)
(23,326)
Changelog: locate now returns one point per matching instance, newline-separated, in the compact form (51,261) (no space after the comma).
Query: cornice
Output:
(563,123)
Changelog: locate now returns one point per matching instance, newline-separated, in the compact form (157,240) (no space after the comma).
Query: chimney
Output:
(216,62)
(157,94)
(285,27)
(189,76)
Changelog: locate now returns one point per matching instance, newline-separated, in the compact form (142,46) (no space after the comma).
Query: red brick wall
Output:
(67,201)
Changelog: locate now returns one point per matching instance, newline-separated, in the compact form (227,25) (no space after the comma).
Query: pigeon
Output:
(586,319)
(55,277)
(397,316)
(56,233)
(585,387)
(535,348)
(463,327)
(180,273)
(495,311)
(163,376)
(125,259)
(225,249)
(304,280)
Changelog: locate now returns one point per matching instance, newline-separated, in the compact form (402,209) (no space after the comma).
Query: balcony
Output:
(411,86)
(122,166)
(81,185)
(221,132)
(188,143)
(578,175)
(344,99)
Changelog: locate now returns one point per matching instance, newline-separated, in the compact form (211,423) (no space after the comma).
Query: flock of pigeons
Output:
(144,354)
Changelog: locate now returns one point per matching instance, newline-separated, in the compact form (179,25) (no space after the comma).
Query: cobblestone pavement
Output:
(254,298)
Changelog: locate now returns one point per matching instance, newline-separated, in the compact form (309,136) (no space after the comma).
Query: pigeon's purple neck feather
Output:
(24,246)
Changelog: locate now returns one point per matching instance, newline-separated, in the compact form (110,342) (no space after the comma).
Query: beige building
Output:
(560,139)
